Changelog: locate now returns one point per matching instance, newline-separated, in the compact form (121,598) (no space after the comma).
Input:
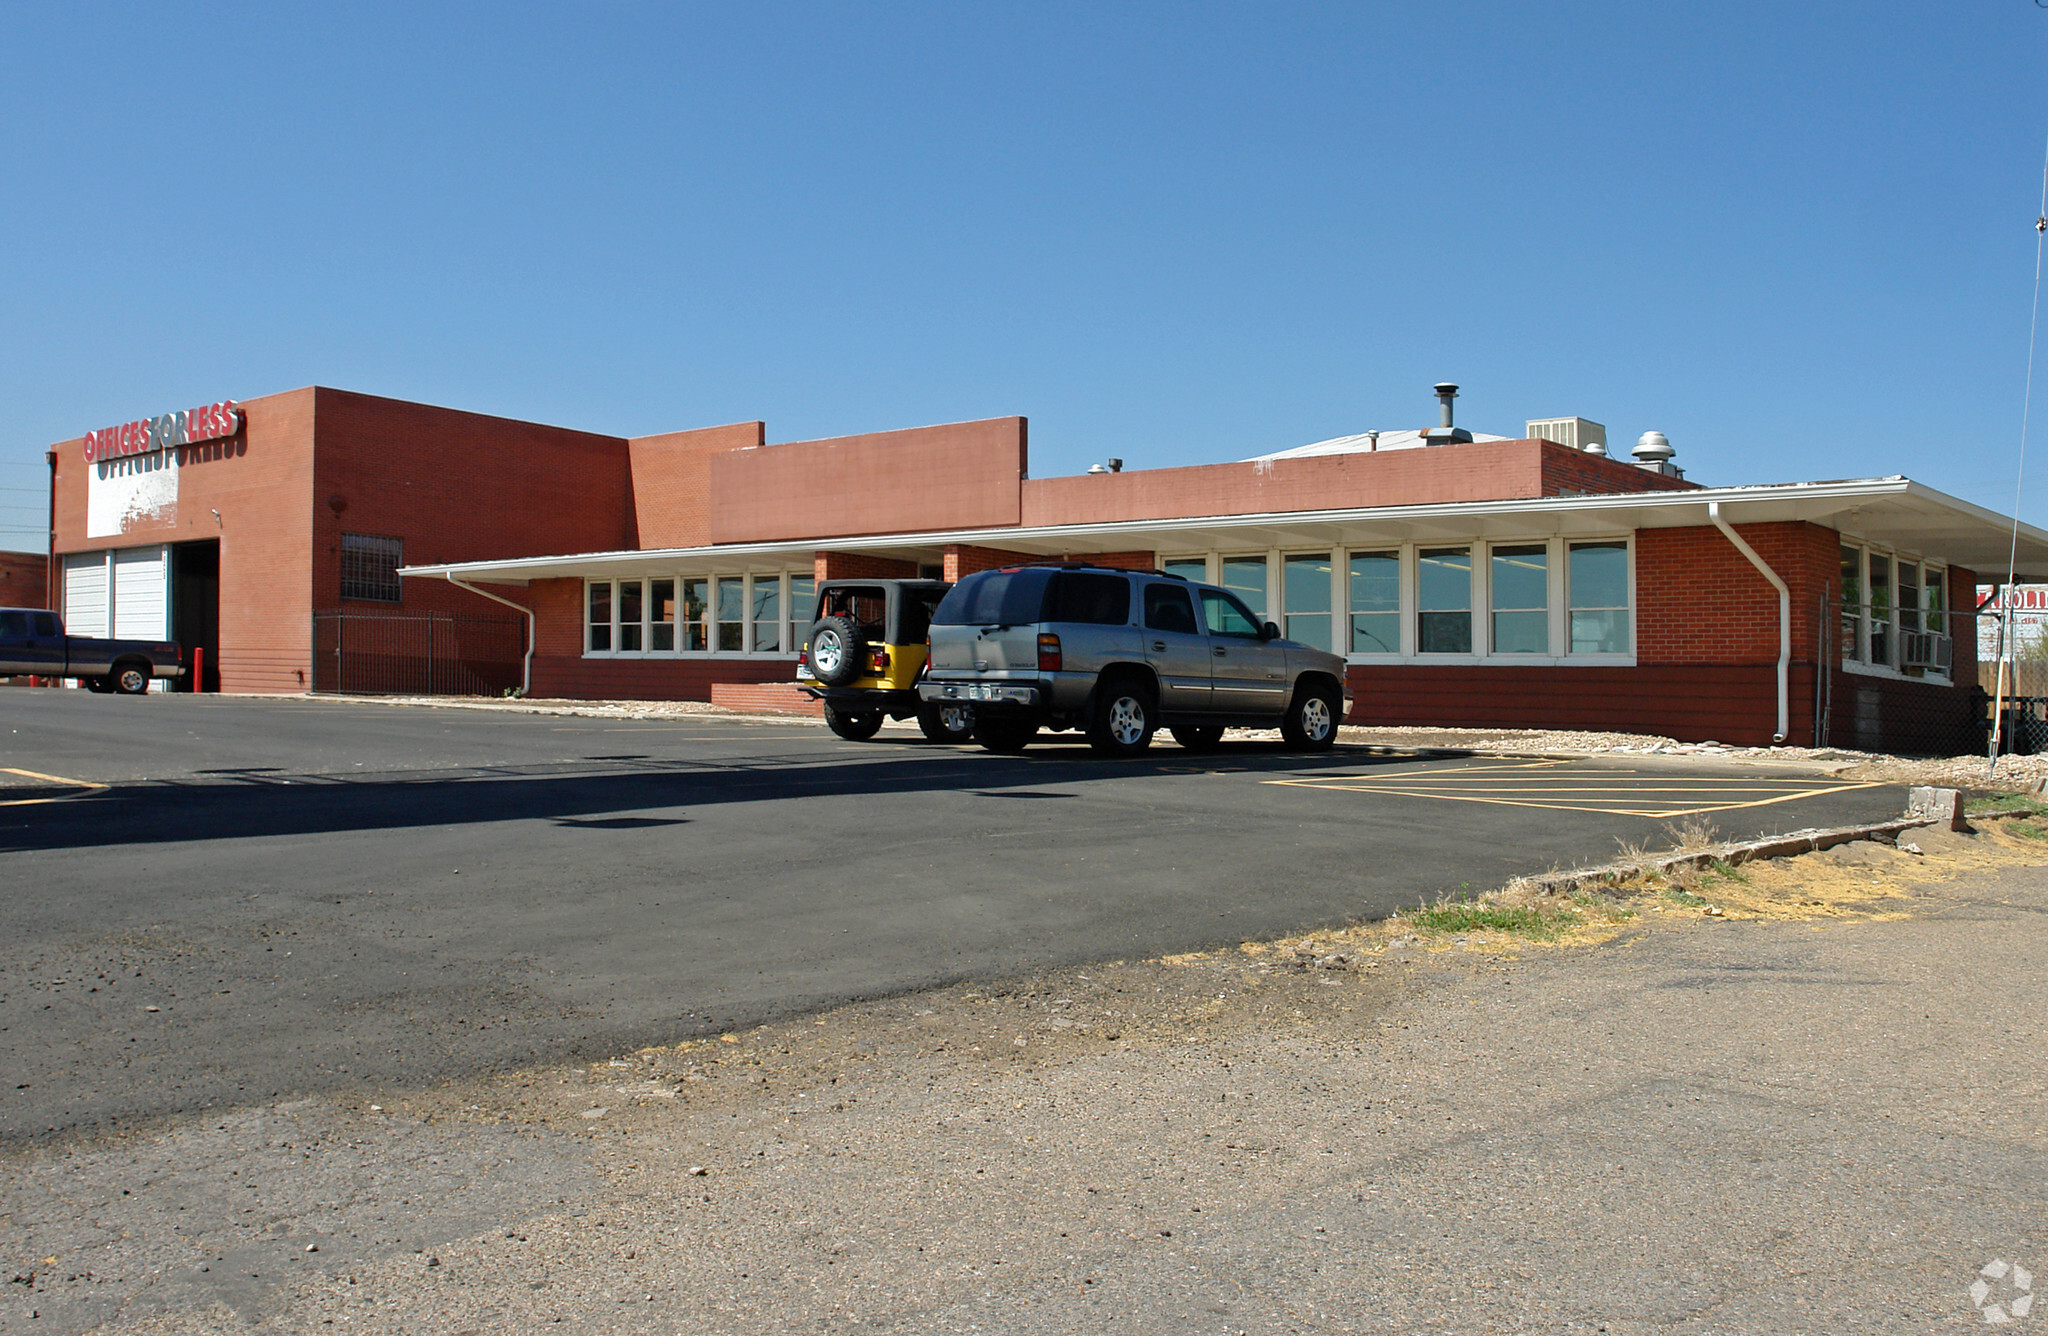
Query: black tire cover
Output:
(853,664)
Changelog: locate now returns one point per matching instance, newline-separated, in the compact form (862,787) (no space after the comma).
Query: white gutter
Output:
(1784,619)
(526,665)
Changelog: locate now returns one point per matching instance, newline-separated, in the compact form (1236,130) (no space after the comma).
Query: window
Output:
(631,609)
(1852,604)
(1306,599)
(1096,600)
(767,613)
(803,607)
(1598,576)
(661,606)
(1246,578)
(1188,568)
(1894,614)
(369,567)
(1375,602)
(696,615)
(1521,599)
(1228,616)
(1443,621)
(1168,608)
(731,613)
(600,616)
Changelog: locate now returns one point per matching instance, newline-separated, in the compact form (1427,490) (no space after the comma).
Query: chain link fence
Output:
(1923,681)
(416,654)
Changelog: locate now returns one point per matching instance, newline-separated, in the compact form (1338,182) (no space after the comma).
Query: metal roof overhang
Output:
(1894,511)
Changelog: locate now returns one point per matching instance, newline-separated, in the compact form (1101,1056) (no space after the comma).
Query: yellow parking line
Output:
(85,784)
(1514,786)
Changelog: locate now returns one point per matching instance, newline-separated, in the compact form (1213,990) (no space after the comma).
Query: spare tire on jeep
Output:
(839,653)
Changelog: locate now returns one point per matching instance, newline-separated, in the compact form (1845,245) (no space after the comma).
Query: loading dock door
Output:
(85,594)
(142,593)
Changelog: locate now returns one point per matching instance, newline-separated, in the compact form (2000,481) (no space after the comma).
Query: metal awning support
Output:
(526,664)
(1784,620)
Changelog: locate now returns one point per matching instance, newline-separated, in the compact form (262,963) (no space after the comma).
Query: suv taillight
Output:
(879,660)
(803,657)
(1048,652)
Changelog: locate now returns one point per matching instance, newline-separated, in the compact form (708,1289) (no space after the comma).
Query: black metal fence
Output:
(416,654)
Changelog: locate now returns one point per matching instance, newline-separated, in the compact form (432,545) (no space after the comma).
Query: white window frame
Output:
(649,618)
(1868,551)
(1557,548)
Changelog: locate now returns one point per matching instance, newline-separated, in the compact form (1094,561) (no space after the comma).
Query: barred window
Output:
(369,567)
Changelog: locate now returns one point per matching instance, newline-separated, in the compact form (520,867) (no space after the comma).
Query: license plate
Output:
(803,673)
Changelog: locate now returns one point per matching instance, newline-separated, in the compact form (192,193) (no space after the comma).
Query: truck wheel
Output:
(839,656)
(130,678)
(1124,719)
(946,721)
(1310,723)
(1197,737)
(853,725)
(1004,735)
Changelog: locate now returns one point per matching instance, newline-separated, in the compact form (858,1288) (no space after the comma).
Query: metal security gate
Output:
(416,654)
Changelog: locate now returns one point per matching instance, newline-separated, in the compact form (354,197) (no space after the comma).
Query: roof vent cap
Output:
(1652,449)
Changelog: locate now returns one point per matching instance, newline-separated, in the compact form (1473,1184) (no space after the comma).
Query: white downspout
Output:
(1784,620)
(526,666)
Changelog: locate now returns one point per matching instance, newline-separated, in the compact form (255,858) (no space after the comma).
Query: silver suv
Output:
(1120,653)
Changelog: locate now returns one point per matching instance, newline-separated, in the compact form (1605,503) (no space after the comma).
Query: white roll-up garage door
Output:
(142,593)
(85,594)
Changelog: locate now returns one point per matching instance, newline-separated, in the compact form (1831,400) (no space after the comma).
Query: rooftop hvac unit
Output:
(1575,432)
(1925,649)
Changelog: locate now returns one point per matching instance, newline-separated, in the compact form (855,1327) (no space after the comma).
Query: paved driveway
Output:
(215,900)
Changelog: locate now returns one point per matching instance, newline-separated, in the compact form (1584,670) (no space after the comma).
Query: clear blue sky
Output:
(1796,238)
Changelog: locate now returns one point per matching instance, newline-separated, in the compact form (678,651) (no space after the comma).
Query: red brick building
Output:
(1489,582)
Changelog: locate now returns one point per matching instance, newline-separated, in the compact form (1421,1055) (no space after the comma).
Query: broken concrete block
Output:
(1940,805)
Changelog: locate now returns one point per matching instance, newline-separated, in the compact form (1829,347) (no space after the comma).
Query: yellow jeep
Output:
(865,652)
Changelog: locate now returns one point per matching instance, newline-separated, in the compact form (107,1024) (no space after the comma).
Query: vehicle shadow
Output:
(596,793)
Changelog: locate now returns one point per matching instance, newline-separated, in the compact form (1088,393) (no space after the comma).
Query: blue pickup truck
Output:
(33,642)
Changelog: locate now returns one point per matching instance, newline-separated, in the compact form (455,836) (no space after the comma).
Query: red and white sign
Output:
(190,426)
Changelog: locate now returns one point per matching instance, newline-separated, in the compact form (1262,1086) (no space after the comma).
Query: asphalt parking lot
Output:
(216,901)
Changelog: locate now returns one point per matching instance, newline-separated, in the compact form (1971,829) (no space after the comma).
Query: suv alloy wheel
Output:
(1125,717)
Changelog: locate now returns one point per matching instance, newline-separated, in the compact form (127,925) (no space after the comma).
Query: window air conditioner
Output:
(1925,649)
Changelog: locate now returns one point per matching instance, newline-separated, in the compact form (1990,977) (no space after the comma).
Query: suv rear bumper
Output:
(982,693)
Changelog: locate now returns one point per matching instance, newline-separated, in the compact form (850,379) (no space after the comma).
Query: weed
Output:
(1692,835)
(2024,803)
(1679,895)
(1456,916)
(2027,830)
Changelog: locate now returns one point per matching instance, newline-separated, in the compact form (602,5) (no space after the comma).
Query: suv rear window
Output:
(1081,596)
(995,598)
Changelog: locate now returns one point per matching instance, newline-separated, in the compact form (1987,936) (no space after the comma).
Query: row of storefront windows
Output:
(1550,599)
(1894,613)
(699,614)
(1546,598)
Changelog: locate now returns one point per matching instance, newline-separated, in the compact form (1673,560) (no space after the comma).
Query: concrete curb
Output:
(1927,807)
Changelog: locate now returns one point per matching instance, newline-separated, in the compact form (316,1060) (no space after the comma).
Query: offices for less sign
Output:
(133,480)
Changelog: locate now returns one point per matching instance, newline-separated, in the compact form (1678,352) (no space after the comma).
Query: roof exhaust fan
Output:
(1446,434)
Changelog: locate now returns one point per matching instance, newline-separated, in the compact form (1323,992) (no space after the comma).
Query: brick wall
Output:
(672,481)
(961,475)
(24,580)
(1699,601)
(1122,561)
(1736,704)
(1568,470)
(861,566)
(965,559)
